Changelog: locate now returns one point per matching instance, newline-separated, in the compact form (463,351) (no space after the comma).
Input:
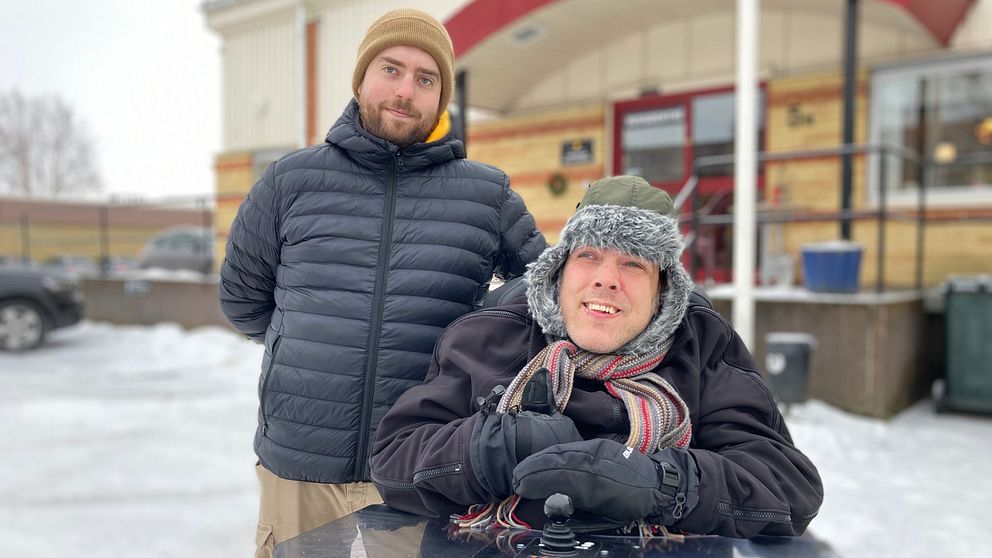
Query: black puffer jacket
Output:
(752,478)
(350,258)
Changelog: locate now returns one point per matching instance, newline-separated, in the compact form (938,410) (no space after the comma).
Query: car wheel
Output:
(22,326)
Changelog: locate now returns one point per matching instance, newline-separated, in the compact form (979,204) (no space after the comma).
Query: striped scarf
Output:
(659,418)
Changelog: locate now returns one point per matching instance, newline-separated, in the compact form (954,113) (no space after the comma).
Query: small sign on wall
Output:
(799,116)
(576,152)
(137,287)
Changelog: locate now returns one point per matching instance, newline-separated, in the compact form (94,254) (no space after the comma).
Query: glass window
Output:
(184,242)
(653,143)
(943,111)
(898,115)
(713,121)
(957,110)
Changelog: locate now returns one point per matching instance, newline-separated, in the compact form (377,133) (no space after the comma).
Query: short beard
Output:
(374,124)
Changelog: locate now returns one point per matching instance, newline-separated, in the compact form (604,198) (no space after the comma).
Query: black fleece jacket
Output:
(753,480)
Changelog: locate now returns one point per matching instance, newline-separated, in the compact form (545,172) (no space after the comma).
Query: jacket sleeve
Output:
(420,458)
(520,241)
(248,274)
(753,480)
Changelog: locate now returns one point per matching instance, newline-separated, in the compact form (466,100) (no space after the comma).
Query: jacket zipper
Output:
(755,515)
(265,385)
(361,459)
(433,472)
(394,485)
(618,416)
(418,477)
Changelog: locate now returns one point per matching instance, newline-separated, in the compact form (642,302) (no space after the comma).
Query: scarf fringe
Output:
(502,516)
(497,515)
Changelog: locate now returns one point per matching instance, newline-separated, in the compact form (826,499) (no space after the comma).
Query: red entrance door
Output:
(660,138)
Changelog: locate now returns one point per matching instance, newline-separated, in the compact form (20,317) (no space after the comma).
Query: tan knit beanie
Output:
(410,28)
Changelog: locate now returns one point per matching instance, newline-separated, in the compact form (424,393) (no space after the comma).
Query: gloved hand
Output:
(500,441)
(613,481)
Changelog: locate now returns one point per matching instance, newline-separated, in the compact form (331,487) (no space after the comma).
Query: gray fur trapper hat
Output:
(627,214)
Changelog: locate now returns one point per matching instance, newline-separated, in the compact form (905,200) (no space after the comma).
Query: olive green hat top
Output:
(628,191)
(414,28)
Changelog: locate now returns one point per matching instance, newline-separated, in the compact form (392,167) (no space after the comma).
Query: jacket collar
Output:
(374,152)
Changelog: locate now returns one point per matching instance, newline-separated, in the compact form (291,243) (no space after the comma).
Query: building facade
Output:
(563,92)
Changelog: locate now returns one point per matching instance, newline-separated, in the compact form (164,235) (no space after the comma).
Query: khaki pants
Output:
(289,508)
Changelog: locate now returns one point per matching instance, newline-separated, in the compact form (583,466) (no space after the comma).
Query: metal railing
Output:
(699,218)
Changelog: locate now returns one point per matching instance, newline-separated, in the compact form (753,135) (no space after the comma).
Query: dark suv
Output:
(33,302)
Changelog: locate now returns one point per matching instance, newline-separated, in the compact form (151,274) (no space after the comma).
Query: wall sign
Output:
(799,117)
(576,152)
(656,117)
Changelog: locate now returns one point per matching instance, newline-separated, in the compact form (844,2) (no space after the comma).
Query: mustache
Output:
(403,106)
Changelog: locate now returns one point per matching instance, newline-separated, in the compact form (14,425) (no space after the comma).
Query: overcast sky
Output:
(143,74)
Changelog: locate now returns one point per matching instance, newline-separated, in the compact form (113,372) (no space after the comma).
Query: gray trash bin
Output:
(787,357)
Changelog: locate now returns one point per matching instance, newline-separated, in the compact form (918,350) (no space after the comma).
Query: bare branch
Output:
(45,151)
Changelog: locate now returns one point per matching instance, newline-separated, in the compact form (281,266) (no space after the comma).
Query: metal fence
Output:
(699,217)
(93,237)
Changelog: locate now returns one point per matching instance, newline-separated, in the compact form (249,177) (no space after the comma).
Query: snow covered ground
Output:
(136,441)
(129,441)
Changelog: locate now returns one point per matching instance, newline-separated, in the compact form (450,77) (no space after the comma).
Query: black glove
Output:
(613,481)
(500,441)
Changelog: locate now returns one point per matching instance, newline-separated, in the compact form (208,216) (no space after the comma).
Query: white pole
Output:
(301,72)
(745,156)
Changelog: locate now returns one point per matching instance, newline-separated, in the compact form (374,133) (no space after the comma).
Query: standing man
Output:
(348,259)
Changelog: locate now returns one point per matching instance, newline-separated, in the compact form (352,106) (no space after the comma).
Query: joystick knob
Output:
(557,537)
(558,507)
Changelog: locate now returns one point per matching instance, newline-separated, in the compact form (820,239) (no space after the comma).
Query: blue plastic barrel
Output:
(832,267)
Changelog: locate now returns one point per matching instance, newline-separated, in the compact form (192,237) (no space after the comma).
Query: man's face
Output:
(399,95)
(607,297)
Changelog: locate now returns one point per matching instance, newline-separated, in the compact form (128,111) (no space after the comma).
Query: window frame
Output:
(940,67)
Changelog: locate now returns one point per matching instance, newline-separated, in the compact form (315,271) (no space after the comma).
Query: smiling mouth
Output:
(603,308)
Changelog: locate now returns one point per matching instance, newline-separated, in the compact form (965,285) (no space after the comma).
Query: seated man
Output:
(608,386)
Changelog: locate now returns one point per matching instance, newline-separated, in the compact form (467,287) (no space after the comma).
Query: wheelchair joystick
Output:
(557,538)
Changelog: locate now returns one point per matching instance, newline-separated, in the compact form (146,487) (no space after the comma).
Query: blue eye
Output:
(636,264)
(426,81)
